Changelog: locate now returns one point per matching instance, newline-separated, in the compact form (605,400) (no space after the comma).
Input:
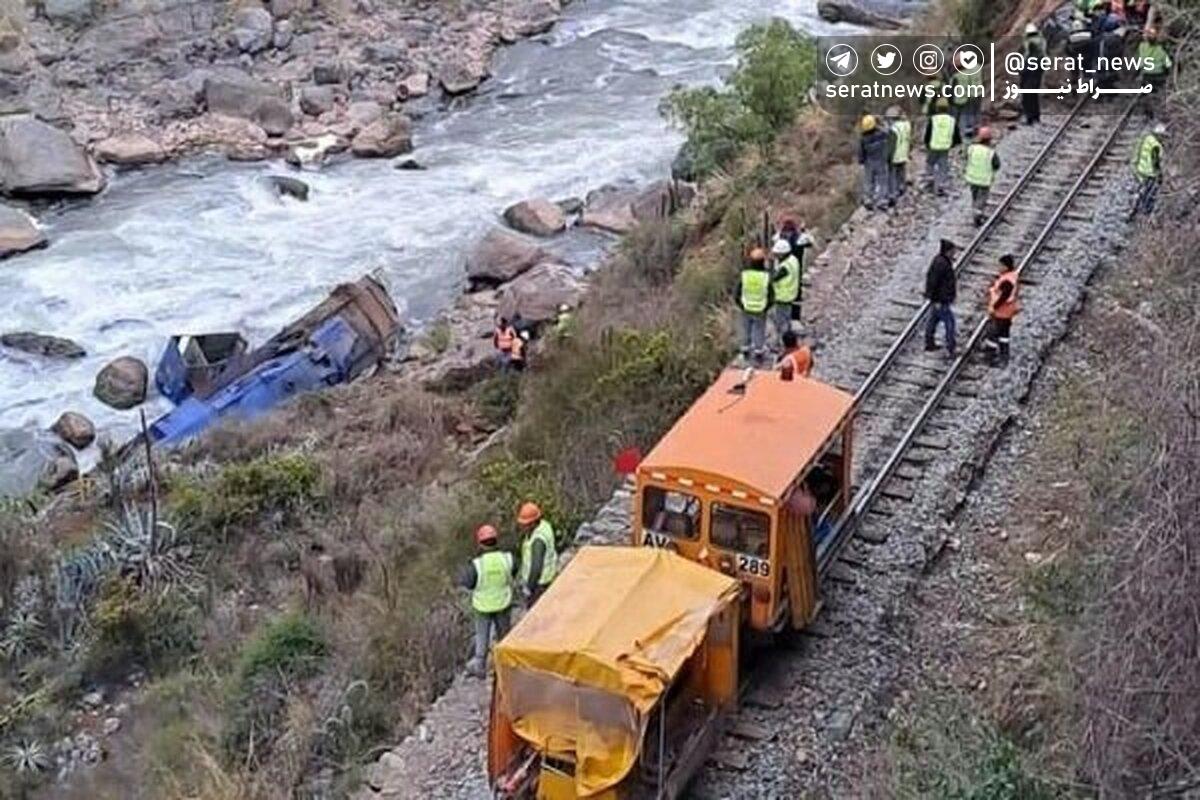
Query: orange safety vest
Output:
(1010,307)
(518,348)
(801,360)
(505,338)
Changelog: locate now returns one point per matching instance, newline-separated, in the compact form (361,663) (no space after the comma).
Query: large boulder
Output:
(129,149)
(252,29)
(122,383)
(461,75)
(235,94)
(317,100)
(413,86)
(33,460)
(362,113)
(18,232)
(75,429)
(537,294)
(501,256)
(39,344)
(878,14)
(610,209)
(71,12)
(39,159)
(388,136)
(538,217)
(662,199)
(521,18)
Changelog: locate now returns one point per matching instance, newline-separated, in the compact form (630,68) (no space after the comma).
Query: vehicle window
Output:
(741,530)
(670,513)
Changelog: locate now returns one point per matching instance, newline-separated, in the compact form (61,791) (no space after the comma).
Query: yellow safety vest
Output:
(493,584)
(1143,161)
(979,170)
(755,294)
(1154,58)
(787,285)
(965,82)
(941,138)
(903,130)
(549,563)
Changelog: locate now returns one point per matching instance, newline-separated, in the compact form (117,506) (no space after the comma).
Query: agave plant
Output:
(21,634)
(150,550)
(27,757)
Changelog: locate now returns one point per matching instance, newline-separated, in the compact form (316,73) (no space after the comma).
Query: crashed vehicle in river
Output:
(215,377)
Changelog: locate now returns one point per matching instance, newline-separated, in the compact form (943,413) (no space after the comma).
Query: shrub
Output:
(776,67)
(291,645)
(242,493)
(156,631)
(497,398)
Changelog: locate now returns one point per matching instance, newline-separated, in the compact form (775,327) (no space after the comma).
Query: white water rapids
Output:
(202,245)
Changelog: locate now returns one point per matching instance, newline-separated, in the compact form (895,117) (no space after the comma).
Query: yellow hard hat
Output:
(868,123)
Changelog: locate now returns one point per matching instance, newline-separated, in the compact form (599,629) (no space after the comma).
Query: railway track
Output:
(907,393)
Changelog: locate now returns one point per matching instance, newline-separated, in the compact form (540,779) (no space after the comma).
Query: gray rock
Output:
(291,187)
(610,209)
(413,86)
(329,73)
(390,135)
(111,725)
(316,100)
(409,164)
(501,256)
(538,217)
(382,53)
(18,232)
(274,116)
(283,35)
(523,18)
(538,293)
(122,40)
(75,429)
(868,13)
(33,460)
(281,9)
(40,344)
(571,206)
(364,112)
(39,159)
(130,149)
(252,29)
(122,383)
(73,12)
(459,76)
(236,94)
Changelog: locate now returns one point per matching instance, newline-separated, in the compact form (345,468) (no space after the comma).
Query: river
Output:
(202,245)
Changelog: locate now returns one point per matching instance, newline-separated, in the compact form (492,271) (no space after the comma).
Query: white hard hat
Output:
(1160,130)
(782,247)
(1031,28)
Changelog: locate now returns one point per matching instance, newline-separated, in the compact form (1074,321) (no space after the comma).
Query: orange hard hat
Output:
(529,514)
(758,254)
(984,134)
(485,534)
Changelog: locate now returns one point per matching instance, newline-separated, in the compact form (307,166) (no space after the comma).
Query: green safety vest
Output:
(903,130)
(979,170)
(964,80)
(1143,157)
(493,584)
(941,138)
(549,564)
(787,285)
(755,294)
(1154,58)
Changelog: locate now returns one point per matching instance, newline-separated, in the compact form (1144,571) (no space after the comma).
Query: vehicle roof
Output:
(761,439)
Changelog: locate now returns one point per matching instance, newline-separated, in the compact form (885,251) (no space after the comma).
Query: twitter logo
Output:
(886,59)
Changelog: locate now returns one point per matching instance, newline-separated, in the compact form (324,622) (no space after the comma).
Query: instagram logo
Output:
(928,59)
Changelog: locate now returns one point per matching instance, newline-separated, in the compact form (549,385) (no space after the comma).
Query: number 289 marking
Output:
(758,567)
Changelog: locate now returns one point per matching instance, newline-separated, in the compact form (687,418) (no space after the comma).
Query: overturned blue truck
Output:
(215,377)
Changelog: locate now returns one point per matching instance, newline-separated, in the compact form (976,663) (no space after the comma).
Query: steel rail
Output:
(826,554)
(872,380)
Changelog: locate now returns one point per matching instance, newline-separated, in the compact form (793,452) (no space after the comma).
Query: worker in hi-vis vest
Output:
(753,297)
(1147,168)
(900,129)
(785,285)
(1003,306)
(941,136)
(489,578)
(982,165)
(539,552)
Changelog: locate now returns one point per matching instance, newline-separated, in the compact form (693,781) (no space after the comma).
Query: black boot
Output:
(1004,354)
(930,346)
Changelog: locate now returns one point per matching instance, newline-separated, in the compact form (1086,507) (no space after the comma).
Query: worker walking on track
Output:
(754,298)
(980,173)
(968,97)
(900,129)
(489,578)
(874,153)
(539,552)
(941,290)
(1034,49)
(941,136)
(797,357)
(1147,168)
(785,287)
(1002,307)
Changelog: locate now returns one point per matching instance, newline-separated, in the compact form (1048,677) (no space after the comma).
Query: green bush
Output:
(243,493)
(497,398)
(776,67)
(156,631)
(292,645)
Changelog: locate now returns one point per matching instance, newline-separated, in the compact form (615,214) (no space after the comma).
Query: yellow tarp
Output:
(579,673)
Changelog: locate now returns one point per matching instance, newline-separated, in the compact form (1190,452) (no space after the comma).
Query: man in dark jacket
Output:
(941,289)
(874,153)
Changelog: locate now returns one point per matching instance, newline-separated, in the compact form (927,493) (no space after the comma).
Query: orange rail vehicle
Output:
(747,482)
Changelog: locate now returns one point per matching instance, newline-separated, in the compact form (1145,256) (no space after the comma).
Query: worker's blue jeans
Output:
(754,333)
(943,313)
(489,628)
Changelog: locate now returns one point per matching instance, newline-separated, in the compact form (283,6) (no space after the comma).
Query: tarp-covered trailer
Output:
(747,482)
(616,684)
